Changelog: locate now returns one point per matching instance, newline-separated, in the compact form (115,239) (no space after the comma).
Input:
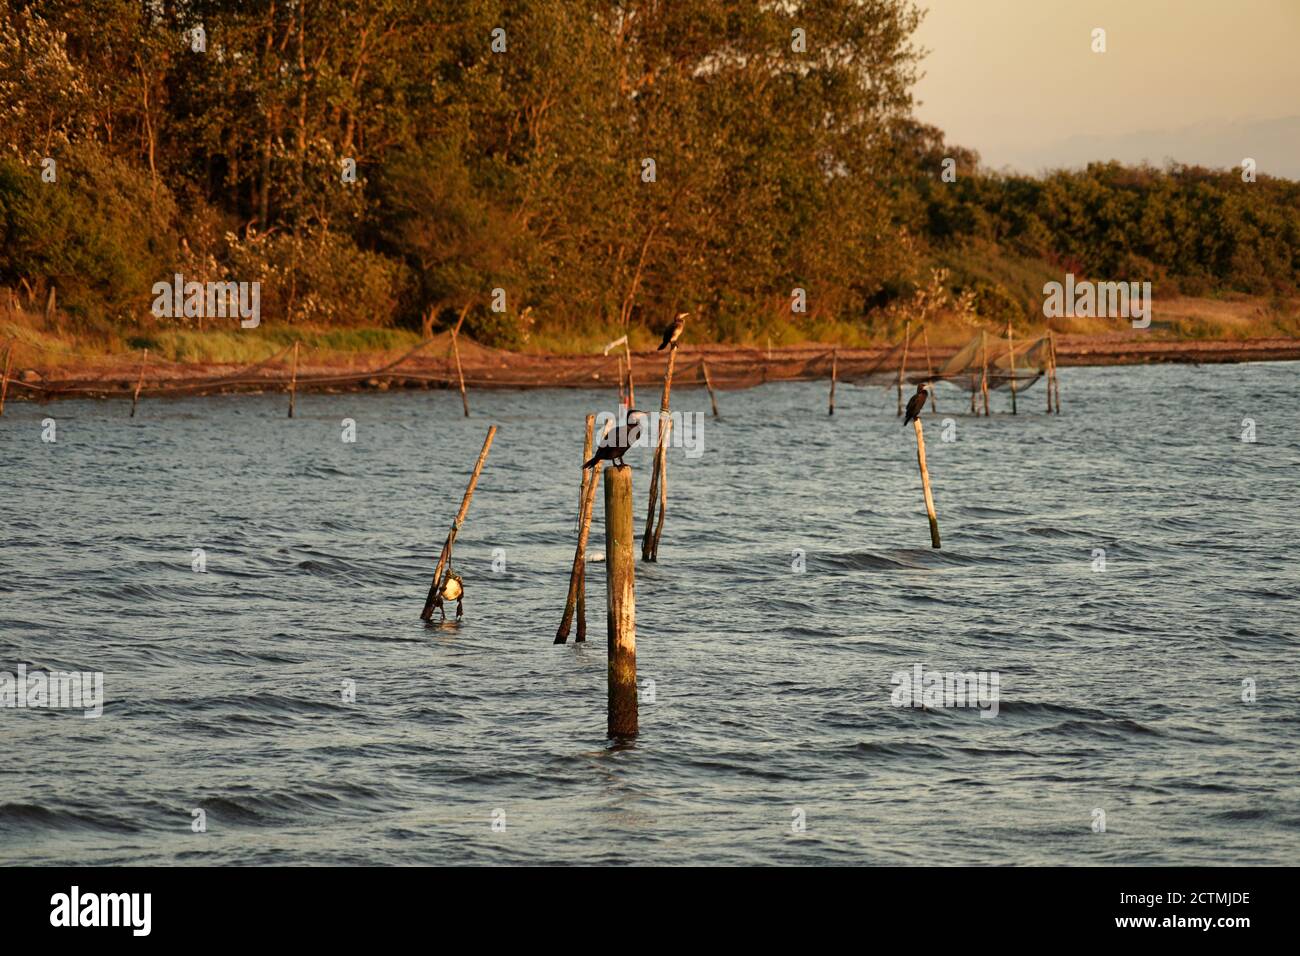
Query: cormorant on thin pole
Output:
(620,440)
(673,332)
(916,404)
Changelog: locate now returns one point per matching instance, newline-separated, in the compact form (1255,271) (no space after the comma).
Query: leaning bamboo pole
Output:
(455,349)
(293,381)
(1011,341)
(902,367)
(4,379)
(576,602)
(631,389)
(835,354)
(708,383)
(984,377)
(925,482)
(929,365)
(649,541)
(444,559)
(135,398)
(1056,378)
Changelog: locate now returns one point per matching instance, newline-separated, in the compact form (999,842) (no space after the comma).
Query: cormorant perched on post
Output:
(916,404)
(620,440)
(673,332)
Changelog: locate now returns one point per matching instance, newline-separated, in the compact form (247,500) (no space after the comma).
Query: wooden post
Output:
(444,559)
(925,483)
(622,393)
(907,339)
(293,381)
(929,366)
(984,377)
(665,429)
(577,599)
(620,592)
(631,389)
(135,399)
(648,540)
(4,380)
(708,383)
(1056,377)
(835,354)
(460,376)
(1011,342)
(1047,360)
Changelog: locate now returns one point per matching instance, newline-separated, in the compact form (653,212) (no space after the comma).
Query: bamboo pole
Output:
(929,365)
(622,393)
(460,375)
(620,592)
(984,378)
(577,599)
(444,559)
(925,483)
(139,383)
(835,354)
(293,381)
(708,383)
(1056,377)
(631,389)
(648,541)
(4,380)
(663,486)
(902,368)
(1011,340)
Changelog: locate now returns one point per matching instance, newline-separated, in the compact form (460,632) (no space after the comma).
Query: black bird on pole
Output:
(673,332)
(916,404)
(620,440)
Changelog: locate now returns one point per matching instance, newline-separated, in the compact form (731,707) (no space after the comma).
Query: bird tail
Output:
(662,347)
(591,463)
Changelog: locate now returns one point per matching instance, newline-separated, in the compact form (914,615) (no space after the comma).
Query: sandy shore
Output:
(433,367)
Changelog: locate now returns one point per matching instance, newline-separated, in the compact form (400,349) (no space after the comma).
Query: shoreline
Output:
(730,367)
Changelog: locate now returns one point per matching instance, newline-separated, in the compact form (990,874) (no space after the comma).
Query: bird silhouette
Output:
(673,332)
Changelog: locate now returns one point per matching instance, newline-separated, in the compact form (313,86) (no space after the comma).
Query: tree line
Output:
(606,164)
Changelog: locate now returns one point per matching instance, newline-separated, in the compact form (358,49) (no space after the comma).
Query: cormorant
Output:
(673,332)
(620,440)
(916,404)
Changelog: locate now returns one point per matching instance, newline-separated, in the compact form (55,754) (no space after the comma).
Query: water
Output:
(1120,690)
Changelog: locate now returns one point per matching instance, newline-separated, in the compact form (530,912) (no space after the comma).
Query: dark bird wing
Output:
(914,407)
(668,337)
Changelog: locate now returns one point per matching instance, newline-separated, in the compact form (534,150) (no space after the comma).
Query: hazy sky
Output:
(1206,81)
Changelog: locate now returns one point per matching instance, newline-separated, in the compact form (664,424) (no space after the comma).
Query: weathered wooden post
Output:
(293,381)
(902,368)
(631,389)
(1056,377)
(620,592)
(929,365)
(139,383)
(708,383)
(658,498)
(925,483)
(984,376)
(577,598)
(4,380)
(835,354)
(1011,342)
(444,559)
(460,375)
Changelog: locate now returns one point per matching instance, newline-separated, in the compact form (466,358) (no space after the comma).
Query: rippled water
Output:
(1120,690)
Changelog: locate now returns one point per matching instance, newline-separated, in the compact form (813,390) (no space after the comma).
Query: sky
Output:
(1197,81)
